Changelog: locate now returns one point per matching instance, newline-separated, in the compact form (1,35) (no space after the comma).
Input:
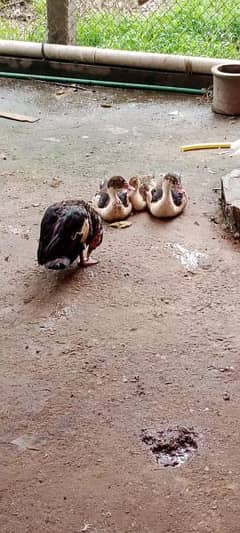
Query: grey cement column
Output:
(61,24)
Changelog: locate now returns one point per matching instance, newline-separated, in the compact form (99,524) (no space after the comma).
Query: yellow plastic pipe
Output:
(204,146)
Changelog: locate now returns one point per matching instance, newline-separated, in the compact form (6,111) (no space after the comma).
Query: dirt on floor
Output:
(107,369)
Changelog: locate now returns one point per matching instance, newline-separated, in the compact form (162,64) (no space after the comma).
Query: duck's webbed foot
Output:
(58,264)
(86,261)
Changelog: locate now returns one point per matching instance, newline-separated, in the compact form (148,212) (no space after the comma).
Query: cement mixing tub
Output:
(226,89)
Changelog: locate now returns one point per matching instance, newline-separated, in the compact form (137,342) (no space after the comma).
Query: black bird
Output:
(67,228)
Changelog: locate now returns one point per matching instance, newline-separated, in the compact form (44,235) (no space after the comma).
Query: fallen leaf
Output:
(86,527)
(61,92)
(117,131)
(52,139)
(211,171)
(55,182)
(121,224)
(20,118)
(105,104)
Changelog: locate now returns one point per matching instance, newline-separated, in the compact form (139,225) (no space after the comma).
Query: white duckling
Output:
(168,199)
(112,201)
(137,196)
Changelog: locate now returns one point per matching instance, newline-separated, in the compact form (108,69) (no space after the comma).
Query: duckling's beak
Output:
(129,187)
(179,186)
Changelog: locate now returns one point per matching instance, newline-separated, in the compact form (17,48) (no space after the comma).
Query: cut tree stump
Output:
(230,197)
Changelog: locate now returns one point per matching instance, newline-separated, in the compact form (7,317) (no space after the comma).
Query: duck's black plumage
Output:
(124,198)
(63,234)
(158,192)
(104,197)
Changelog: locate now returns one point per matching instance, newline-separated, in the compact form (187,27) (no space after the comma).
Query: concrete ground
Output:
(149,338)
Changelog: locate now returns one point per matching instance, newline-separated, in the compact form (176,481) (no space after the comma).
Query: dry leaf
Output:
(86,527)
(55,183)
(121,224)
(51,139)
(63,92)
(211,171)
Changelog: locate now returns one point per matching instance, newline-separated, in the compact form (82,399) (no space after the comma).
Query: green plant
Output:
(190,27)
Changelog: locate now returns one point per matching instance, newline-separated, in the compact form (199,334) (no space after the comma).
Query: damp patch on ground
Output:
(171,446)
(30,442)
(189,259)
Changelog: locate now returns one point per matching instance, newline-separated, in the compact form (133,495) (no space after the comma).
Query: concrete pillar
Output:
(61,23)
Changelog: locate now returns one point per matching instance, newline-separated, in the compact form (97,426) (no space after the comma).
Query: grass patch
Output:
(191,27)
(208,28)
(33,30)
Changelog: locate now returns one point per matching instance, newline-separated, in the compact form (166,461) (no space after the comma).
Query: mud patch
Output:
(171,446)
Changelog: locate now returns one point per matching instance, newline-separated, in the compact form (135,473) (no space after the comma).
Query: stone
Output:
(230,199)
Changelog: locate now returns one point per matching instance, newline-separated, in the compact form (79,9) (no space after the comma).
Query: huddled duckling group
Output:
(72,227)
(117,197)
